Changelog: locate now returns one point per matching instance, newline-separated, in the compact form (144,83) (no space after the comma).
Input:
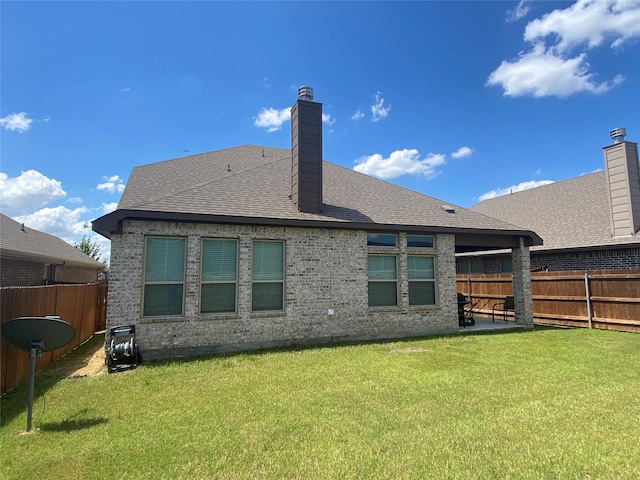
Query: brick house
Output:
(29,257)
(590,222)
(251,247)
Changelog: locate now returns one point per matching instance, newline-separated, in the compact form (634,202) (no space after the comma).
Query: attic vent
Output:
(305,93)
(618,134)
(448,208)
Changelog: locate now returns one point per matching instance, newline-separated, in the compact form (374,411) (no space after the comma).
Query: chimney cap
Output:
(618,134)
(305,93)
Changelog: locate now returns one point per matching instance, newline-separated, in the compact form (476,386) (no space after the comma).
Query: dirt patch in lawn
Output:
(90,363)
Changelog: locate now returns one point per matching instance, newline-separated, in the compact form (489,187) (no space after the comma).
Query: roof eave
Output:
(47,259)
(493,238)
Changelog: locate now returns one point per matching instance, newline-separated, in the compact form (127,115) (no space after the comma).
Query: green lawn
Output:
(547,403)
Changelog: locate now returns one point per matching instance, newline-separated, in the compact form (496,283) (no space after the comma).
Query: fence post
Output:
(588,295)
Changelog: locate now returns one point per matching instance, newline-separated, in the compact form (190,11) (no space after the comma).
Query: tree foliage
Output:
(92,248)
(89,247)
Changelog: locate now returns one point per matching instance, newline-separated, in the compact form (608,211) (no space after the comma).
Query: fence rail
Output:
(608,300)
(83,306)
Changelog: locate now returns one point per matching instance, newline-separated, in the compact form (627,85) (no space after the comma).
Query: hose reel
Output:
(123,352)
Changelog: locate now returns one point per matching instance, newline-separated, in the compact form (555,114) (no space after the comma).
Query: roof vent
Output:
(448,208)
(305,93)
(618,134)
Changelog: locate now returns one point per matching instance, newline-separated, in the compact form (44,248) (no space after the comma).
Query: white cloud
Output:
(125,90)
(514,188)
(28,191)
(75,200)
(109,207)
(112,184)
(550,69)
(272,119)
(542,73)
(400,162)
(521,11)
(462,152)
(69,225)
(266,84)
(378,110)
(358,115)
(326,118)
(59,221)
(17,121)
(590,22)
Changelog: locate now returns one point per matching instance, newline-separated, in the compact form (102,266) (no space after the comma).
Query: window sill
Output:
(176,319)
(280,313)
(205,317)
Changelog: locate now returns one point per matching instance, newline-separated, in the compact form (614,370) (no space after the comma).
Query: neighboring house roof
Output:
(571,214)
(251,184)
(21,242)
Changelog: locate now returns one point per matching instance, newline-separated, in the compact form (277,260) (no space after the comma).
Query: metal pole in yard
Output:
(588,295)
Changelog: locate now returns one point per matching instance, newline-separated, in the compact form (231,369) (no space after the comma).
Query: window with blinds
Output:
(267,271)
(383,280)
(164,271)
(422,283)
(218,277)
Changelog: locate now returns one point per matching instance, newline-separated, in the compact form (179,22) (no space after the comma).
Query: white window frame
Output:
(423,280)
(282,280)
(384,280)
(219,282)
(145,282)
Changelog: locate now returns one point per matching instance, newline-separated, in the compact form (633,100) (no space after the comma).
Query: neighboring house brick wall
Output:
(76,274)
(615,259)
(20,273)
(325,269)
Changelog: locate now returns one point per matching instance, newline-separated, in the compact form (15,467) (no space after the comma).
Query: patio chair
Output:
(463,318)
(504,307)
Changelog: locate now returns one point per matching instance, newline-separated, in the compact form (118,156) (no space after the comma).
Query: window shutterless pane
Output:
(219,259)
(507,265)
(420,267)
(163,299)
(419,241)
(218,297)
(164,260)
(267,296)
(381,240)
(267,261)
(477,265)
(383,294)
(422,293)
(381,267)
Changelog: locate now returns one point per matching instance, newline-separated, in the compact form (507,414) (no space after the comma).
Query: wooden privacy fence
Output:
(83,306)
(608,300)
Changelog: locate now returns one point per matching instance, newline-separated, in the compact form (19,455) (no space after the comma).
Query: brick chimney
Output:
(623,182)
(306,152)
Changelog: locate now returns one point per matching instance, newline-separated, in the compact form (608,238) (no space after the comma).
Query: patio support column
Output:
(523,303)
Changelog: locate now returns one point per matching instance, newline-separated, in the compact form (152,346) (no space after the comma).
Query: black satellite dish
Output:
(36,335)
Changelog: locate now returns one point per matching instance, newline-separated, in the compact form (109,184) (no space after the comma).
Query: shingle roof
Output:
(30,244)
(569,214)
(255,182)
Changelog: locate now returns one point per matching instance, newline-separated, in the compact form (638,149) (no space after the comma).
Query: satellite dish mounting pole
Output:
(34,353)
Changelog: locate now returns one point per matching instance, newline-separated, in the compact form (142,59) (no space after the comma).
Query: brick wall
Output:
(324,269)
(75,274)
(20,273)
(614,259)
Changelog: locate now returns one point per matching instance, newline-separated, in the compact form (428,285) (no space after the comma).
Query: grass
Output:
(547,403)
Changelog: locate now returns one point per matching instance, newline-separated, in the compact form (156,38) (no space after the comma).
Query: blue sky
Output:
(456,100)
